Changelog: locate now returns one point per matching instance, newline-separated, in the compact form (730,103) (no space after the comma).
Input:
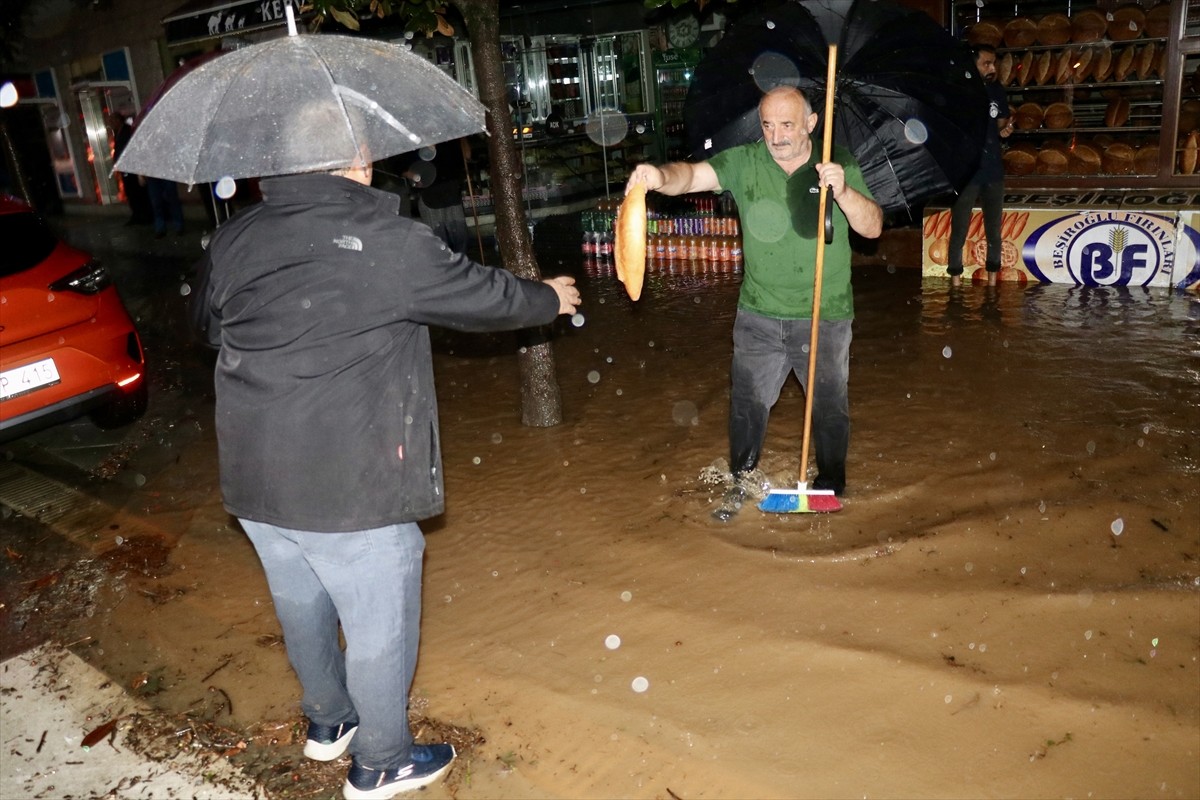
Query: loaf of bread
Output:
(1004,69)
(1117,113)
(1064,68)
(1147,61)
(1145,160)
(1020,159)
(1188,153)
(985,32)
(1084,159)
(1083,65)
(629,244)
(1117,159)
(1058,115)
(1158,21)
(1125,63)
(1054,29)
(1025,69)
(1102,64)
(1020,32)
(1088,25)
(1043,68)
(1052,160)
(1126,22)
(1028,117)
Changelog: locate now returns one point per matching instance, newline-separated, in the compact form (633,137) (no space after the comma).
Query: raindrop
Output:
(620,392)
(408,34)
(608,360)
(626,597)
(50,298)
(1118,525)
(992,456)
(598,678)
(427,153)
(640,684)
(949,698)
(979,3)
(685,414)
(969,567)
(1145,429)
(119,540)
(769,219)
(983,648)
(947,352)
(612,641)
(225,188)
(770,25)
(185,290)
(477,460)
(497,438)
(1091,448)
(1141,442)
(772,69)
(139,479)
(593,377)
(306,303)
(607,128)
(650,343)
(1041,506)
(577,320)
(495,573)
(1024,570)
(1087,635)
(915,131)
(696,300)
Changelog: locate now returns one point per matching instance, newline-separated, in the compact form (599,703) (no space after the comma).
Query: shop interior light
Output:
(8,95)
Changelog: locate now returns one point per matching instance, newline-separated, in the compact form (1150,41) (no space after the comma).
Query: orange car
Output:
(67,344)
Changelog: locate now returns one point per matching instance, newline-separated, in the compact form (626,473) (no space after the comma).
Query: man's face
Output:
(786,124)
(985,62)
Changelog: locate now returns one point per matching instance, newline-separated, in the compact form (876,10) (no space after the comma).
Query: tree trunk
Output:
(541,402)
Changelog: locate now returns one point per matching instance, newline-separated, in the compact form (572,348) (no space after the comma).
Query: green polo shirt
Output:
(780,222)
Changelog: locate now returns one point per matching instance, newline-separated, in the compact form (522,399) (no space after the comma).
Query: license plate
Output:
(24,379)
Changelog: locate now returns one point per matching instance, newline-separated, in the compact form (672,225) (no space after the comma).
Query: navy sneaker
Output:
(327,742)
(429,762)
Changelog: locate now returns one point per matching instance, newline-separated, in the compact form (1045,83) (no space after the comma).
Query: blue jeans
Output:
(370,581)
(765,351)
(991,201)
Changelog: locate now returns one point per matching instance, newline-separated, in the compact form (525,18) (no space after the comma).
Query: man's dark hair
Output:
(976,49)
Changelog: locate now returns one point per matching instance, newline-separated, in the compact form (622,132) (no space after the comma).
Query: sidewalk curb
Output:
(50,699)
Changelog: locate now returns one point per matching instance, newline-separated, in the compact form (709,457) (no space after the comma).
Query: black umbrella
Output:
(910,104)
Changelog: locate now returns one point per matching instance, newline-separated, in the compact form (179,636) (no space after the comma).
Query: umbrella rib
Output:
(375,109)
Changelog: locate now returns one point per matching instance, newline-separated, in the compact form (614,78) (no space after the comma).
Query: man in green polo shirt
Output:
(776,185)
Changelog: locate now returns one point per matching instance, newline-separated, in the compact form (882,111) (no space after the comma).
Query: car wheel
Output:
(125,409)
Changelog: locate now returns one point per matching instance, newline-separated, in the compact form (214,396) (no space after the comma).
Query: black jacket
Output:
(319,299)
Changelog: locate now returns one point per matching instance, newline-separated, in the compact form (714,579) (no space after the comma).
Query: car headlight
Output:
(92,277)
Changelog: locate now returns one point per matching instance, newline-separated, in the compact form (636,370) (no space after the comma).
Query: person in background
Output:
(165,204)
(775,184)
(319,300)
(439,183)
(987,184)
(135,193)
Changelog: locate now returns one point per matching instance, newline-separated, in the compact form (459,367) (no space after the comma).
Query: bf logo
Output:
(1112,254)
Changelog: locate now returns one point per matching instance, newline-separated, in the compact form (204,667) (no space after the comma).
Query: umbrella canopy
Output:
(910,104)
(298,104)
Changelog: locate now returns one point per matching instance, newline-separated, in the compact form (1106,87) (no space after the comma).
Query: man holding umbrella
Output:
(776,183)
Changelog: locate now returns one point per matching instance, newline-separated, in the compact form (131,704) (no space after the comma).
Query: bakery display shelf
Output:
(1150,83)
(1096,45)
(1042,132)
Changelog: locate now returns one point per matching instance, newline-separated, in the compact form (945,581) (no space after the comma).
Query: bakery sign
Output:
(1102,248)
(1092,247)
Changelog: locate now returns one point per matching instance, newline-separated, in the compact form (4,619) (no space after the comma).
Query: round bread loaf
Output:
(1158,21)
(1043,68)
(1084,159)
(1117,159)
(1020,32)
(1052,160)
(1054,29)
(1102,64)
(1145,160)
(1083,65)
(1024,69)
(1147,61)
(1189,116)
(1020,160)
(1064,66)
(1088,25)
(1117,113)
(1125,63)
(1189,152)
(1126,22)
(629,247)
(1028,117)
(985,32)
(1058,116)
(1004,69)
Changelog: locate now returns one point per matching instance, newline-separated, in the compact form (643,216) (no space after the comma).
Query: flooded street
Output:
(1008,605)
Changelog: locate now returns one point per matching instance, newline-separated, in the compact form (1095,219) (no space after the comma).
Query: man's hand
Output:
(864,215)
(568,295)
(648,174)
(833,176)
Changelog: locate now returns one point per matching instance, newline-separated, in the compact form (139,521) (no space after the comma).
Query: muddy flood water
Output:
(1007,606)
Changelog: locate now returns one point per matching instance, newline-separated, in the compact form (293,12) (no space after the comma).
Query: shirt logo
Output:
(349,243)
